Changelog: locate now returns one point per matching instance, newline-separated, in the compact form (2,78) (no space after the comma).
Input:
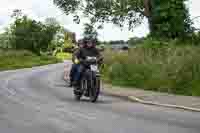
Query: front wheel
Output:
(94,90)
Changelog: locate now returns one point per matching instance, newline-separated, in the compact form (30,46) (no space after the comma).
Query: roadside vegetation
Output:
(27,42)
(158,66)
(12,59)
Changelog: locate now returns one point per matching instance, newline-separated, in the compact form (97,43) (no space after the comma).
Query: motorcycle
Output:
(89,85)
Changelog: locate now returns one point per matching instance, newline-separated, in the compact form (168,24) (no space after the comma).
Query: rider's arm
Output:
(74,56)
(79,55)
(99,56)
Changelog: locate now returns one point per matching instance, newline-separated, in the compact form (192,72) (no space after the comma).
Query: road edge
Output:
(136,99)
(139,100)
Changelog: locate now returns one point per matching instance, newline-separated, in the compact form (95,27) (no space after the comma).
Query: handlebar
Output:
(92,61)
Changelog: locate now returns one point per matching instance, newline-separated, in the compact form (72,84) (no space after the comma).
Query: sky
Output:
(41,9)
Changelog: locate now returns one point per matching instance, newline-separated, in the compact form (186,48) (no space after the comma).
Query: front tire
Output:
(94,90)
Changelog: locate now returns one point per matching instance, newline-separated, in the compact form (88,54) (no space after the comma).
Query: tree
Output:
(17,13)
(90,32)
(100,11)
(58,42)
(51,28)
(170,18)
(31,35)
(3,41)
(163,15)
(64,41)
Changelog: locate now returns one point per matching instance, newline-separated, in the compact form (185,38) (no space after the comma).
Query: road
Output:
(38,101)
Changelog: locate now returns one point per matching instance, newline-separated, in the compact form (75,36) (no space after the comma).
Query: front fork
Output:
(95,81)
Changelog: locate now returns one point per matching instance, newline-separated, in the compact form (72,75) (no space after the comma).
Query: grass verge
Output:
(11,59)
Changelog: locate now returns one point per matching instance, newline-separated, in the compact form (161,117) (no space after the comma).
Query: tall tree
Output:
(90,31)
(167,18)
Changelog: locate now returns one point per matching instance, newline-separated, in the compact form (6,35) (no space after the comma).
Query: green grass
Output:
(171,69)
(11,59)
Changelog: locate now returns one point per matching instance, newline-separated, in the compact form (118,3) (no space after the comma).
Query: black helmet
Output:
(92,40)
(81,42)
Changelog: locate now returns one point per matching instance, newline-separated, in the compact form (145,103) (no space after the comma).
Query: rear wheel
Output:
(77,97)
(78,91)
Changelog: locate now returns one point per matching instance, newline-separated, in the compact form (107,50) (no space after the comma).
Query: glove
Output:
(76,61)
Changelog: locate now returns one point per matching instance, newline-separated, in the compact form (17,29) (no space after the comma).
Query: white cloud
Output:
(2,19)
(195,11)
(41,9)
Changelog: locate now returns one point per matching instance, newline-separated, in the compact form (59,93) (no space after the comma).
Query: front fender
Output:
(92,75)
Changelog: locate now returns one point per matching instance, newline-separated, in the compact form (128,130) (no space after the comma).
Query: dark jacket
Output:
(84,52)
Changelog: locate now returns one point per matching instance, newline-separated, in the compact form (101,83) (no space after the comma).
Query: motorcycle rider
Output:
(75,64)
(89,49)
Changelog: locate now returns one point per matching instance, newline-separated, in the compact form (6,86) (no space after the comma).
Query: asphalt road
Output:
(38,101)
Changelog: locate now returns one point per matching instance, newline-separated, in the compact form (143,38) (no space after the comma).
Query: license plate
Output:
(94,68)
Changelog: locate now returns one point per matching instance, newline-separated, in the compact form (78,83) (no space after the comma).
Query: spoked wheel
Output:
(94,90)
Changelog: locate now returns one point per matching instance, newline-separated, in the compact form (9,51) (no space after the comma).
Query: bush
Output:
(164,68)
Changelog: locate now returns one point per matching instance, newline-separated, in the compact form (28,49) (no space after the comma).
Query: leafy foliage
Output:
(63,41)
(90,32)
(167,18)
(101,11)
(29,34)
(170,19)
(4,43)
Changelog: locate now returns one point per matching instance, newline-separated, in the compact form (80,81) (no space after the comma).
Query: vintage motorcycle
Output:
(89,85)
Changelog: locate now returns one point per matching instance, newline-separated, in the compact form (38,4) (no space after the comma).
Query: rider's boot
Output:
(70,83)
(76,86)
